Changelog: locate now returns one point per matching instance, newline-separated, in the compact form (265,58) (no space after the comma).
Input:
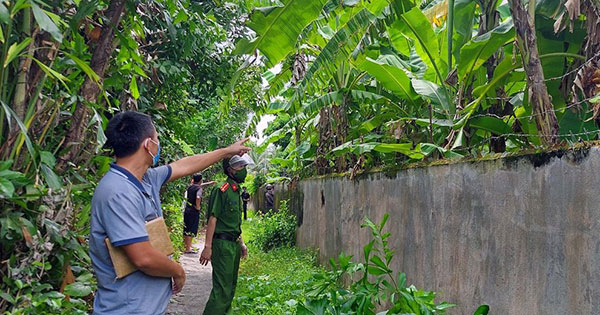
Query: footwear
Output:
(191,252)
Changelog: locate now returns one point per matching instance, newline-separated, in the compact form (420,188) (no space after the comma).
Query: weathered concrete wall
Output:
(521,234)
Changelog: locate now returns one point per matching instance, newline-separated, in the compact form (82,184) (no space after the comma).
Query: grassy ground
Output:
(272,282)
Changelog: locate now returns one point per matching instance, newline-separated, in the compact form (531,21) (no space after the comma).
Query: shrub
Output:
(276,229)
(376,284)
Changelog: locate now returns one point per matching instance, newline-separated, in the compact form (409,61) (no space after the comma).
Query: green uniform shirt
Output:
(225,204)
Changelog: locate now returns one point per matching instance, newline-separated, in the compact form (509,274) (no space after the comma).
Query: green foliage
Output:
(373,284)
(174,66)
(399,51)
(276,229)
(272,282)
(278,28)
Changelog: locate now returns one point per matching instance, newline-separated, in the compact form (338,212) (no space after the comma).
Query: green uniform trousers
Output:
(225,262)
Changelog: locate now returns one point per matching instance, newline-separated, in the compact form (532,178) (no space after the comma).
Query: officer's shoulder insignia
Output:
(234,187)
(224,187)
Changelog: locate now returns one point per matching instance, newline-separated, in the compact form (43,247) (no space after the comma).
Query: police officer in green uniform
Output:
(224,245)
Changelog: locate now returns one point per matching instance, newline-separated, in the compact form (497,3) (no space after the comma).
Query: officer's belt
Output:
(227,237)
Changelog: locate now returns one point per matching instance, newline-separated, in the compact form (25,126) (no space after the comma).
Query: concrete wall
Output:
(520,234)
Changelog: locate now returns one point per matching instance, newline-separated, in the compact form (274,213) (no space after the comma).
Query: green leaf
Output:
(4,14)
(338,49)
(47,158)
(391,77)
(10,113)
(372,270)
(100,136)
(78,289)
(181,17)
(415,26)
(7,297)
(434,93)
(378,262)
(491,124)
(7,189)
(133,88)
(51,177)
(428,148)
(85,67)
(5,165)
(376,6)
(278,27)
(18,6)
(479,49)
(482,310)
(444,305)
(51,72)
(45,22)
(14,51)
(404,148)
(464,11)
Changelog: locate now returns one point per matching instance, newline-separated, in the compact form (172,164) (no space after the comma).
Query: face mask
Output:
(240,176)
(157,156)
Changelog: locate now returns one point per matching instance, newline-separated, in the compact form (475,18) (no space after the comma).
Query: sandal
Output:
(191,252)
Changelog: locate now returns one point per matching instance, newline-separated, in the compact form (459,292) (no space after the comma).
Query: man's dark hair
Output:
(126,131)
(197,178)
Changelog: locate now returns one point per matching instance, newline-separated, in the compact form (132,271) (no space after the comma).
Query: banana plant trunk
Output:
(543,110)
(90,89)
(325,142)
(488,20)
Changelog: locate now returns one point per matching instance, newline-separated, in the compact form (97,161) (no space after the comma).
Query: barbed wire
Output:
(532,115)
(574,70)
(485,141)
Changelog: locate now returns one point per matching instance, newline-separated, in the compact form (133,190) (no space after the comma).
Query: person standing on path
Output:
(125,199)
(245,199)
(224,245)
(191,215)
(269,198)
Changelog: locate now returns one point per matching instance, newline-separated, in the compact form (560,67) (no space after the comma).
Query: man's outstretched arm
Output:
(196,163)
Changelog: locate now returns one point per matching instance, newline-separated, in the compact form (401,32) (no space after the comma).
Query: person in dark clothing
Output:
(245,199)
(191,215)
(270,198)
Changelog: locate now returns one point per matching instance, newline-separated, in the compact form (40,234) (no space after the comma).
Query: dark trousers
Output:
(245,210)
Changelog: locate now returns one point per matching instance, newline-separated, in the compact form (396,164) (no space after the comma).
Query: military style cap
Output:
(240,161)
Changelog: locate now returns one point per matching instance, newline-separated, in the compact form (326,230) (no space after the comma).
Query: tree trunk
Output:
(545,117)
(90,89)
(587,79)
(341,133)
(325,140)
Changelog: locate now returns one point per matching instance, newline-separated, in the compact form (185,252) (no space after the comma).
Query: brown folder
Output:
(159,239)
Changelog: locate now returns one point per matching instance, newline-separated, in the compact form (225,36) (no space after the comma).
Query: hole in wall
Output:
(322,199)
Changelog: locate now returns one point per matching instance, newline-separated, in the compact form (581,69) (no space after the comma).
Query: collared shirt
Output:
(121,206)
(225,204)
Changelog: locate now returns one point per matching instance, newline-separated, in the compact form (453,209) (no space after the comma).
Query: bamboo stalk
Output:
(20,95)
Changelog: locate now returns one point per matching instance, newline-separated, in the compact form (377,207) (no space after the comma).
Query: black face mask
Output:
(240,176)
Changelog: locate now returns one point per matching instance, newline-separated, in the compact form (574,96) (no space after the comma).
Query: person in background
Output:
(245,199)
(191,215)
(270,198)
(125,199)
(224,245)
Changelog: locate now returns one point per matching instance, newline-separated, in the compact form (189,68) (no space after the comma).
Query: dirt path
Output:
(197,286)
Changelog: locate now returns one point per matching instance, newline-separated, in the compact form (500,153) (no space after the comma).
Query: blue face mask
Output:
(157,156)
